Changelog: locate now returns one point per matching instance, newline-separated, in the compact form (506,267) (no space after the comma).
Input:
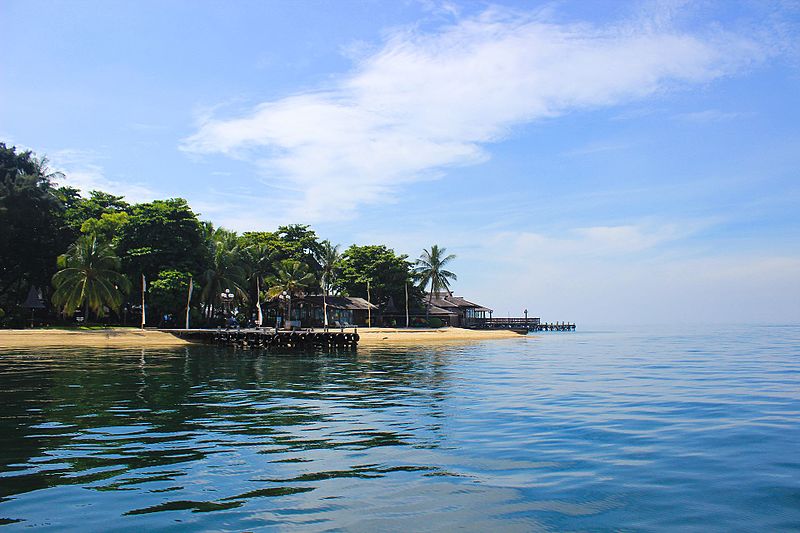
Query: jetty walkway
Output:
(529,324)
(269,338)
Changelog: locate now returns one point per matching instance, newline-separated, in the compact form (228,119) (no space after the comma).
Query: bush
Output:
(435,322)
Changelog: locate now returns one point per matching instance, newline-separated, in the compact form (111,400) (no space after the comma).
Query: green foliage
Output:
(295,241)
(293,277)
(168,293)
(330,260)
(224,269)
(430,269)
(32,229)
(165,241)
(89,277)
(108,227)
(435,322)
(387,273)
(258,263)
(162,235)
(78,210)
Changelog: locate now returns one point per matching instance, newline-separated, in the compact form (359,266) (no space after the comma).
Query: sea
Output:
(679,428)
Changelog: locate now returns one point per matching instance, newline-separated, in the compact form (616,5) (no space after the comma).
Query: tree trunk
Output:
(428,308)
(325,308)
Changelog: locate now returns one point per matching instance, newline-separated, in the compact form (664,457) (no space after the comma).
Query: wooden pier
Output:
(270,339)
(528,324)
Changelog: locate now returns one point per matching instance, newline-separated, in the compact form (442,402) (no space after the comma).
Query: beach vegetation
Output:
(89,277)
(293,278)
(388,274)
(431,270)
(95,251)
(33,232)
(223,270)
(330,260)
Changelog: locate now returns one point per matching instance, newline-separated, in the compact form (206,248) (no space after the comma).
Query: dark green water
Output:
(636,430)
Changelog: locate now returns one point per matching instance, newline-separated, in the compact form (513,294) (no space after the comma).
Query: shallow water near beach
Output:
(641,429)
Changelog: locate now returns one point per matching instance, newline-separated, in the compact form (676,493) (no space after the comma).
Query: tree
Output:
(329,260)
(300,243)
(430,268)
(224,270)
(78,210)
(162,235)
(293,278)
(386,272)
(32,229)
(108,227)
(257,262)
(168,293)
(89,277)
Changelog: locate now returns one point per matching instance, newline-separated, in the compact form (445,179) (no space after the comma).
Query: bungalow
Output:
(460,312)
(451,310)
(342,310)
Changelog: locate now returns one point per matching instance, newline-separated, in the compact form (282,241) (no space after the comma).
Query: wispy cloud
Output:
(709,115)
(424,102)
(597,147)
(82,170)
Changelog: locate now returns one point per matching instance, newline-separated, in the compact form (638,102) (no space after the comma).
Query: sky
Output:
(596,162)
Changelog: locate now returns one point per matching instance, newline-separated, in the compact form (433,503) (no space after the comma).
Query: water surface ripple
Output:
(644,429)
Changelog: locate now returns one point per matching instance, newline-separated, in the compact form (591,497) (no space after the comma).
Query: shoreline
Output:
(100,338)
(388,336)
(137,338)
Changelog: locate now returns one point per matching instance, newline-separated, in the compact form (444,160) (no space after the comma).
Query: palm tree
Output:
(430,269)
(329,259)
(293,278)
(224,270)
(89,277)
(257,261)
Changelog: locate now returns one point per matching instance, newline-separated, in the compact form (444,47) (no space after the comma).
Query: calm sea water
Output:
(649,429)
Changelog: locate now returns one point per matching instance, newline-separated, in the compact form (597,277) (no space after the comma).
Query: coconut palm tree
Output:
(430,269)
(293,278)
(89,277)
(329,259)
(224,270)
(257,261)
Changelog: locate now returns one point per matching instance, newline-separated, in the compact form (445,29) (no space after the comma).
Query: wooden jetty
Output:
(271,339)
(527,324)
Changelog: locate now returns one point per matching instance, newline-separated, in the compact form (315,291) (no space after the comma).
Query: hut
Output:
(451,310)
(342,311)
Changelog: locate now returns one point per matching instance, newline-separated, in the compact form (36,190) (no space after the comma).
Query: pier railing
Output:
(531,324)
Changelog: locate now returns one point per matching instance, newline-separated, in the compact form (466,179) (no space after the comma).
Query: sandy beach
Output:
(112,338)
(134,338)
(376,336)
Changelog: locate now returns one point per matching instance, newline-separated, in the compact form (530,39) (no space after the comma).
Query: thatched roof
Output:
(341,302)
(445,300)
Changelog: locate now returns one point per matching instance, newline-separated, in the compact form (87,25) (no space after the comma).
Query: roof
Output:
(435,310)
(34,299)
(342,302)
(448,301)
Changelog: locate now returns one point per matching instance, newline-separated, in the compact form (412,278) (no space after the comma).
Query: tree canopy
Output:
(387,273)
(91,250)
(162,235)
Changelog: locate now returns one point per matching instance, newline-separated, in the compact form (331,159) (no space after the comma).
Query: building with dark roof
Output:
(452,310)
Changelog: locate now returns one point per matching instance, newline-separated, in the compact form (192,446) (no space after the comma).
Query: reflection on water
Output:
(650,430)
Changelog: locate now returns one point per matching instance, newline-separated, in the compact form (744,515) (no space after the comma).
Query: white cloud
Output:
(82,171)
(637,273)
(427,101)
(709,115)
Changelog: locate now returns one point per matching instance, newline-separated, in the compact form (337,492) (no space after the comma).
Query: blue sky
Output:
(598,162)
